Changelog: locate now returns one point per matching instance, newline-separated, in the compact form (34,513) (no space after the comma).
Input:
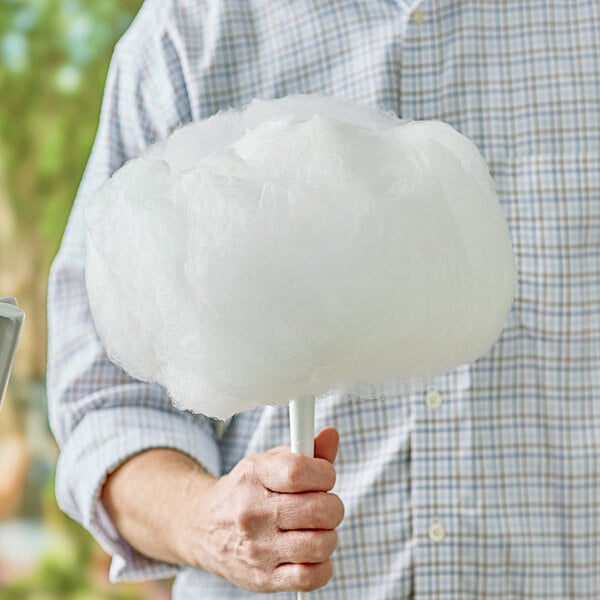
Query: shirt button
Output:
(436,532)
(417,16)
(433,400)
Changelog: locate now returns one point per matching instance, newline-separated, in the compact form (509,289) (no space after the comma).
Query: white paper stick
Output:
(302,426)
(302,433)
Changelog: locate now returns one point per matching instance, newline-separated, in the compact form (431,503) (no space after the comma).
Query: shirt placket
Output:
(443,496)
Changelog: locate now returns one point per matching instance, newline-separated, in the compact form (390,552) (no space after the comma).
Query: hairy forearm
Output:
(147,498)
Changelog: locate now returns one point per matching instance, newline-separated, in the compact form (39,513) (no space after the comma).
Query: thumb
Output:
(326,444)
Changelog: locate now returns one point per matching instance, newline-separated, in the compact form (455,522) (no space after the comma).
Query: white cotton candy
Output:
(300,246)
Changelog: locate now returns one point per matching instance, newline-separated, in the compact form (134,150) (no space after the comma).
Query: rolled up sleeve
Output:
(102,441)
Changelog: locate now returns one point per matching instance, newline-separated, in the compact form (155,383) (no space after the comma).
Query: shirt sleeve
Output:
(99,415)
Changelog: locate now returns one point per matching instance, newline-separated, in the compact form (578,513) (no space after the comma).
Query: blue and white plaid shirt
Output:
(486,485)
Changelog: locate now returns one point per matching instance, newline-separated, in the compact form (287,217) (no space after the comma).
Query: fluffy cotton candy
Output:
(296,247)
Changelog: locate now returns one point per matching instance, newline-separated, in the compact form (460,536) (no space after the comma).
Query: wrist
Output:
(191,518)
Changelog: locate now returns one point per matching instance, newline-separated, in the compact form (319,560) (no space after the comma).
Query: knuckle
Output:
(246,470)
(253,551)
(327,544)
(327,573)
(320,546)
(313,547)
(305,581)
(332,542)
(245,517)
(339,510)
(295,471)
(309,578)
(278,508)
(321,549)
(260,582)
(330,510)
(331,477)
(312,505)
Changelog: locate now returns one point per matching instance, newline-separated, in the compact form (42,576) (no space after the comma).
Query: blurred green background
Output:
(54,56)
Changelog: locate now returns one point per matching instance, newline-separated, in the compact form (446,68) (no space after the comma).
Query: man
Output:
(486,485)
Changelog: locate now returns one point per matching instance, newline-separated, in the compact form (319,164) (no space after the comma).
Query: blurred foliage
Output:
(53,61)
(54,56)
(56,581)
(64,572)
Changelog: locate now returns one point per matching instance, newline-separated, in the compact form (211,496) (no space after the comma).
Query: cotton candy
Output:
(297,247)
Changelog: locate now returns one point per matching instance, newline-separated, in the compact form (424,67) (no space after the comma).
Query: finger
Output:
(302,577)
(279,450)
(326,444)
(314,510)
(293,473)
(306,547)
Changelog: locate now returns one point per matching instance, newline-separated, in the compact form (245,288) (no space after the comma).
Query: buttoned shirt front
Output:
(485,485)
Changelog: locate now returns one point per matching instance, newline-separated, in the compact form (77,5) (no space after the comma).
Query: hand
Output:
(269,525)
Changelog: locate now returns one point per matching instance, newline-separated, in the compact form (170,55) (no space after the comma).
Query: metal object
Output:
(11,321)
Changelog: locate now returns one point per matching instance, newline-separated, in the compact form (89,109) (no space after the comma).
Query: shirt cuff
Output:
(102,441)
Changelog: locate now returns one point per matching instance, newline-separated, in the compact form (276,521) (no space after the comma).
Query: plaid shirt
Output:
(487,485)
